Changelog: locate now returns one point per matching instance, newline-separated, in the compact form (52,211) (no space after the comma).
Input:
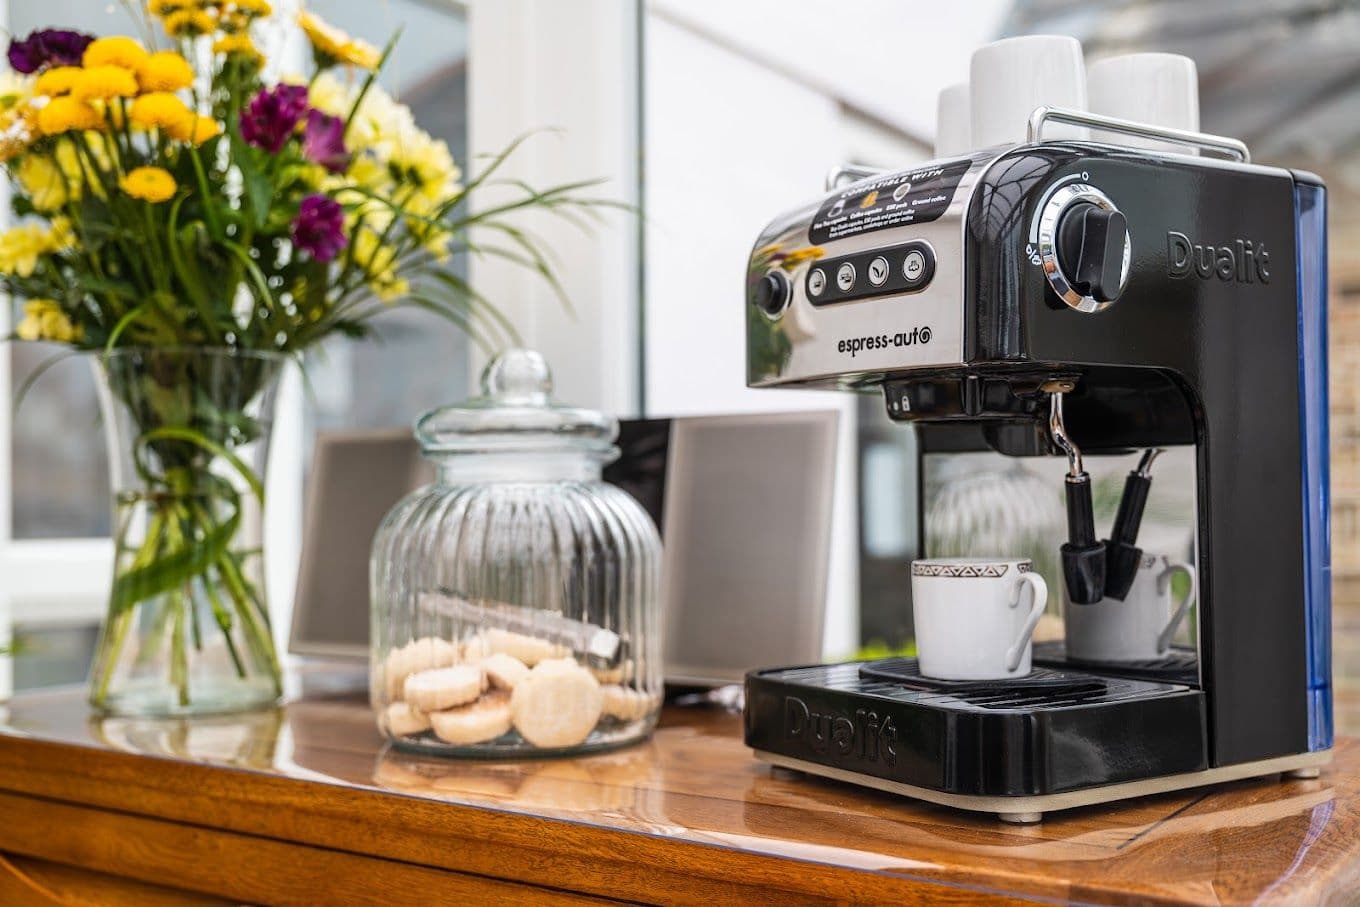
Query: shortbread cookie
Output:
(619,673)
(483,720)
(444,688)
(475,647)
(404,721)
(528,649)
(625,703)
(556,705)
(504,671)
(417,655)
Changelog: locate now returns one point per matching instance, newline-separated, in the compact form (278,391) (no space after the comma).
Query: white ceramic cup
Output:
(1008,79)
(973,619)
(1158,89)
(953,124)
(1136,629)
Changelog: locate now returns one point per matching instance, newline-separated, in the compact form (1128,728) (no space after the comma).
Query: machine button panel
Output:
(907,268)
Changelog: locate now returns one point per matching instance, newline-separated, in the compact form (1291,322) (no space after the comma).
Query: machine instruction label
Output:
(908,197)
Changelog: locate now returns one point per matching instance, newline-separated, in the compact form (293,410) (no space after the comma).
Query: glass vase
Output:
(187,630)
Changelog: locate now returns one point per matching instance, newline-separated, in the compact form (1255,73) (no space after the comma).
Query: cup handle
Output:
(1163,581)
(1039,588)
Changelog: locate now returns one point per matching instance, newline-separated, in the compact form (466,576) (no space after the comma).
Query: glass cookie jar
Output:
(516,600)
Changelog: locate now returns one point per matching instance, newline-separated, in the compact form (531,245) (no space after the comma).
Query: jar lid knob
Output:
(519,377)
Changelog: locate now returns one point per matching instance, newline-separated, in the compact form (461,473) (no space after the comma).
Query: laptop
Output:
(743,503)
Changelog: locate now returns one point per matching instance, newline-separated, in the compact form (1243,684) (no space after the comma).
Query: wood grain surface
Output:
(304,805)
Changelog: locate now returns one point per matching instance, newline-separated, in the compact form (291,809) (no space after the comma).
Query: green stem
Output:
(179,662)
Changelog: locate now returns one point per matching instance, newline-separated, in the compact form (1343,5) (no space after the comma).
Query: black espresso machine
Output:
(1069,298)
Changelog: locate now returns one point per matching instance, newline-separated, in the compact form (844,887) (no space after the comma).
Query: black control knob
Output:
(1091,242)
(772,293)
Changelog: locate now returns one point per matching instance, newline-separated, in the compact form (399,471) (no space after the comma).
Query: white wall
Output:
(568,65)
(889,57)
(747,105)
(713,180)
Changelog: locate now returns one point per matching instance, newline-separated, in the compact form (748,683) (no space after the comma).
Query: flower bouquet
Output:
(193,224)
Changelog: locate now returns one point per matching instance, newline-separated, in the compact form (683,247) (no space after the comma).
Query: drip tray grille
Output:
(900,679)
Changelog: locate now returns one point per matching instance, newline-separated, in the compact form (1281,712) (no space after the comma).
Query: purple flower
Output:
(47,47)
(272,115)
(323,141)
(318,228)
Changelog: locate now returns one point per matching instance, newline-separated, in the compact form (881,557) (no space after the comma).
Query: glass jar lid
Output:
(515,413)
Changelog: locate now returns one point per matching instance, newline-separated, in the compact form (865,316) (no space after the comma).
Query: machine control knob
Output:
(772,294)
(1083,246)
(1092,249)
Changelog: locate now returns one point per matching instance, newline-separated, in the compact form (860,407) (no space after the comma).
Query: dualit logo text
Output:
(1241,261)
(866,737)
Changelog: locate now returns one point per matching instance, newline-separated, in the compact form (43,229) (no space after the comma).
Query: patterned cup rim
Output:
(969,568)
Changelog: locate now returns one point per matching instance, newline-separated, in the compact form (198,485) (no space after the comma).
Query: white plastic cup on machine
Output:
(1152,88)
(953,123)
(1008,79)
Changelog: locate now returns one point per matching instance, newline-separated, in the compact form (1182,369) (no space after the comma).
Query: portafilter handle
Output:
(1083,556)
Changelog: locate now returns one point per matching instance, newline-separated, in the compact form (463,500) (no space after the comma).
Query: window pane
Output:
(61,479)
(416,361)
(60,486)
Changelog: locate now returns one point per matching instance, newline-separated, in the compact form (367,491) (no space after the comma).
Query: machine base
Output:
(1025,810)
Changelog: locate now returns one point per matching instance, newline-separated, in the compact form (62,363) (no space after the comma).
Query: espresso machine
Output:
(1071,298)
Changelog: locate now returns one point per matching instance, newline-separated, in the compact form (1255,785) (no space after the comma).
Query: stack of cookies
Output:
(498,681)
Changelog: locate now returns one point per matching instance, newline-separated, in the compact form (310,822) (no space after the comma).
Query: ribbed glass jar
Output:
(516,599)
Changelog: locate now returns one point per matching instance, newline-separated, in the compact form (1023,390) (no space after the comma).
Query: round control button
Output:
(772,293)
(878,271)
(901,192)
(914,265)
(816,282)
(845,277)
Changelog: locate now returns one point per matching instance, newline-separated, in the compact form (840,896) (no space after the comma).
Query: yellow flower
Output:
(44,320)
(165,71)
(18,130)
(80,174)
(15,89)
(43,181)
(166,7)
(188,23)
(61,237)
(391,289)
(20,248)
(100,83)
(195,129)
(57,81)
(118,50)
(253,8)
(160,110)
(332,45)
(67,113)
(238,45)
(152,184)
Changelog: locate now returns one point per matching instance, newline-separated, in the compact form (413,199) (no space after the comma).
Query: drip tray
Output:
(1058,729)
(1039,682)
(1179,665)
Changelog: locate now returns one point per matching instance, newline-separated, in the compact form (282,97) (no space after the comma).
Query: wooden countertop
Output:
(304,805)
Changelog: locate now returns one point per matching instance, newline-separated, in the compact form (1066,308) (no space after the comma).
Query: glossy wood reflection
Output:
(307,796)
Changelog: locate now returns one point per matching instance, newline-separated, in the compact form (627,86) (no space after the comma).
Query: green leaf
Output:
(196,438)
(166,573)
